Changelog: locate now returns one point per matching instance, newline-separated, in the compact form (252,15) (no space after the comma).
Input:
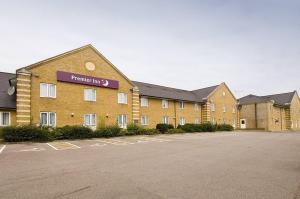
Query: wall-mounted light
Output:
(107,115)
(72,114)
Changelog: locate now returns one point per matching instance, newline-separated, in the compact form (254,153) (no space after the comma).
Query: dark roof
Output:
(6,101)
(152,90)
(279,99)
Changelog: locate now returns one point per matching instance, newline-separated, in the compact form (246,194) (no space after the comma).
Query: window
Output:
(182,121)
(4,118)
(233,109)
(144,102)
(212,107)
(47,90)
(165,103)
(196,107)
(234,123)
(90,94)
(122,121)
(213,120)
(223,93)
(224,108)
(122,98)
(197,121)
(48,119)
(181,105)
(144,120)
(90,119)
(165,120)
(224,121)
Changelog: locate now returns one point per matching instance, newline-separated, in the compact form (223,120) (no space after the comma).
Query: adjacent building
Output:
(272,112)
(82,87)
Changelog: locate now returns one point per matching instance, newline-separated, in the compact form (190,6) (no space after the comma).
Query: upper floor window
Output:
(144,120)
(212,107)
(224,108)
(122,98)
(48,119)
(165,103)
(182,121)
(90,120)
(90,94)
(181,105)
(144,102)
(196,107)
(4,118)
(223,93)
(165,120)
(47,90)
(233,109)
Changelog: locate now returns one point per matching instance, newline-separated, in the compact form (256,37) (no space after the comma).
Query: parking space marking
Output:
(32,150)
(2,149)
(114,142)
(62,145)
(149,139)
(98,145)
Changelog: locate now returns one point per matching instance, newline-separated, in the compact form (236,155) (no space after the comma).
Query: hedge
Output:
(26,133)
(163,128)
(72,132)
(205,127)
(224,127)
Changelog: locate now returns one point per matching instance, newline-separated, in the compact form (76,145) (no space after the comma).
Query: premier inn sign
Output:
(86,80)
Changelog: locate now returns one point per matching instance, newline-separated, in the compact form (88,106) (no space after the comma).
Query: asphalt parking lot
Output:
(256,165)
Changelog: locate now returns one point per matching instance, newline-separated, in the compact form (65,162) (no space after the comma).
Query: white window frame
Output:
(234,123)
(212,107)
(165,103)
(48,118)
(233,109)
(182,121)
(1,118)
(93,96)
(181,104)
(197,121)
(144,120)
(223,93)
(224,109)
(90,122)
(47,94)
(196,107)
(165,120)
(223,120)
(123,122)
(213,120)
(144,102)
(122,98)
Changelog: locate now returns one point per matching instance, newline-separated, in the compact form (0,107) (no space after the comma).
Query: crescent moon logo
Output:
(105,83)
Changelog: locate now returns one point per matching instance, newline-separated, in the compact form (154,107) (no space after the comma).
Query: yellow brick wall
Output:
(219,100)
(70,97)
(295,112)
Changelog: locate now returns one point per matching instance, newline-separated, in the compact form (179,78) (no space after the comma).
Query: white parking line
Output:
(52,146)
(2,149)
(73,145)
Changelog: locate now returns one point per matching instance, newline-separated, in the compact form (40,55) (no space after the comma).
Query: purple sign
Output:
(86,80)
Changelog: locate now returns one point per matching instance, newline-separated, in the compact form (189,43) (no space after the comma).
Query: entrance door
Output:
(243,123)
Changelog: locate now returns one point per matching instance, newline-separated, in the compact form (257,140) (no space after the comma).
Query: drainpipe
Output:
(281,118)
(175,112)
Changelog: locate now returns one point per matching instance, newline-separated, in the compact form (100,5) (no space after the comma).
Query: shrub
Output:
(163,128)
(25,133)
(175,131)
(133,129)
(72,132)
(205,127)
(224,127)
(151,132)
(109,131)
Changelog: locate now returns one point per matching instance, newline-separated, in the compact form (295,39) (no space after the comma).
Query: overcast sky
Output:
(252,45)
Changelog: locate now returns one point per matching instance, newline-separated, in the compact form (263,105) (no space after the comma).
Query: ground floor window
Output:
(48,119)
(182,121)
(145,120)
(122,121)
(165,120)
(197,121)
(4,118)
(234,123)
(90,120)
(213,120)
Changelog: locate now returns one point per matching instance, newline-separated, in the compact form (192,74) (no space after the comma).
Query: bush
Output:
(205,127)
(175,131)
(25,133)
(150,132)
(163,128)
(224,127)
(109,131)
(1,133)
(72,132)
(133,129)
